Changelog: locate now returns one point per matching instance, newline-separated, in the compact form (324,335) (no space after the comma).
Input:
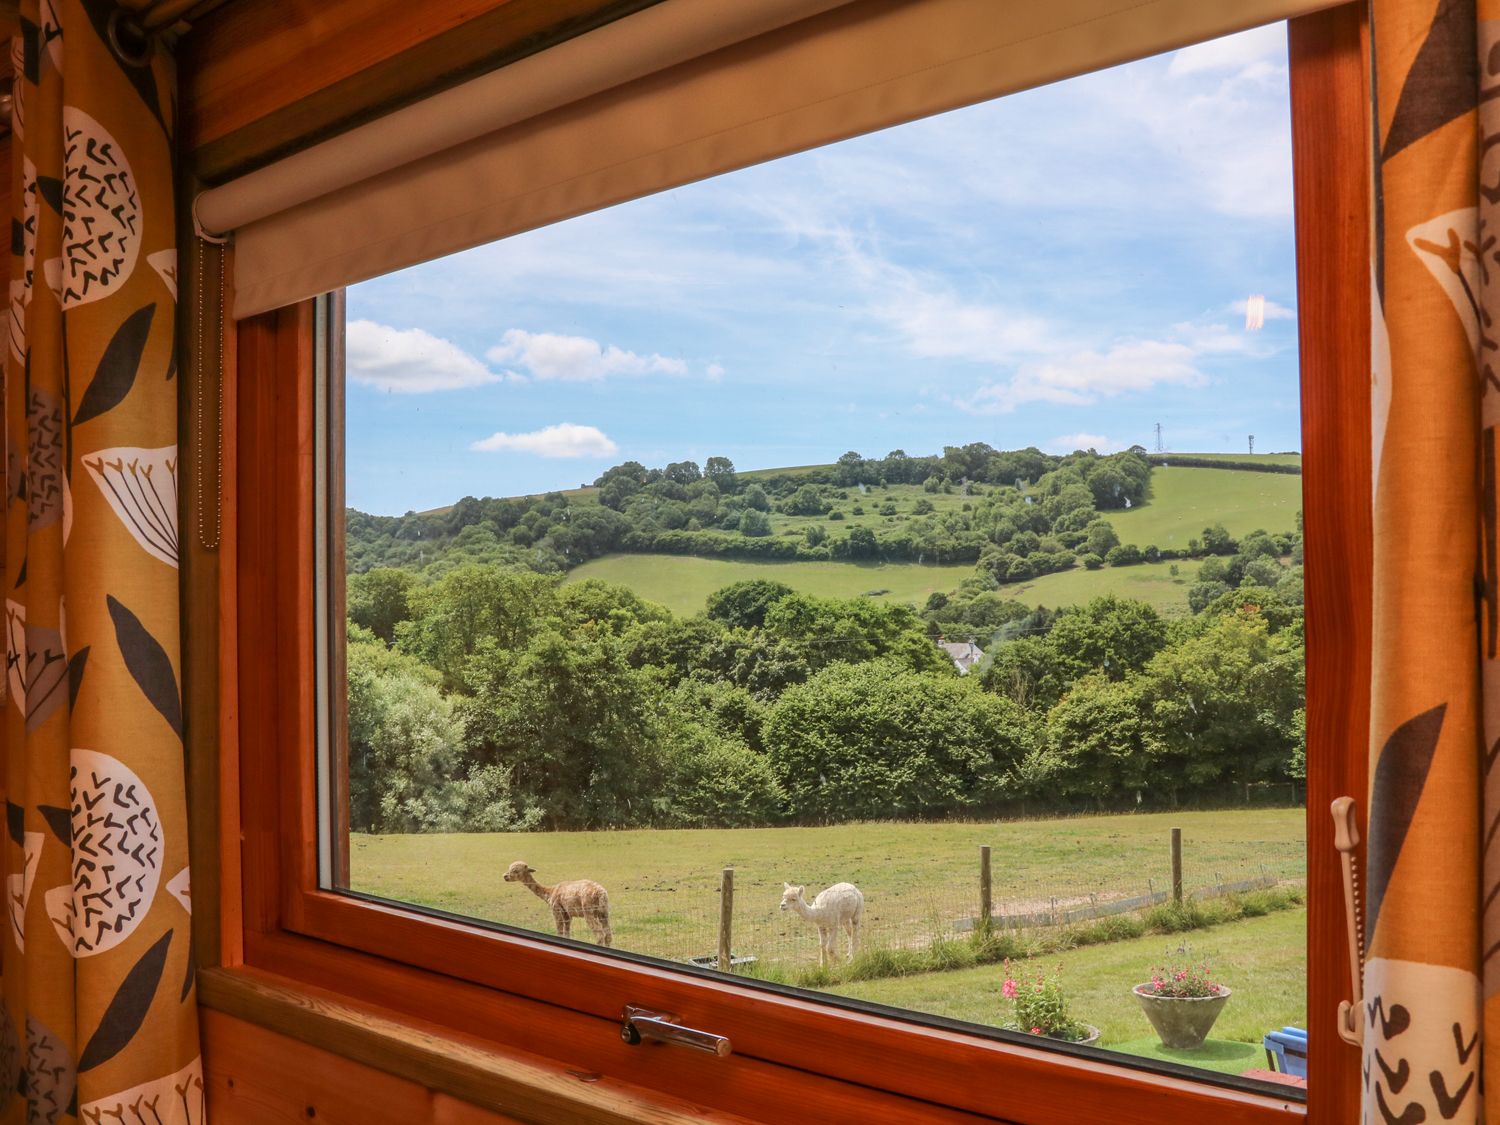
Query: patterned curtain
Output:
(100,1022)
(1432,912)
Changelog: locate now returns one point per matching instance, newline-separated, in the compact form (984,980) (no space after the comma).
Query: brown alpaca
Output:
(577,898)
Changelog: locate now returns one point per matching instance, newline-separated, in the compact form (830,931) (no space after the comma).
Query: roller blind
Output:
(683,90)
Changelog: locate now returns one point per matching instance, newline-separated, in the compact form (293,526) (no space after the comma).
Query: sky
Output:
(1065,267)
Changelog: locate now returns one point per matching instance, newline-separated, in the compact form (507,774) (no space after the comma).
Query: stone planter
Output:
(1181,1022)
(1091,1036)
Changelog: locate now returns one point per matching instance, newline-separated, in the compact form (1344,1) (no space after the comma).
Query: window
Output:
(597,984)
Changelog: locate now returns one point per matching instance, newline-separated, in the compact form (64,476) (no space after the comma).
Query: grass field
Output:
(918,879)
(1185,501)
(682,583)
(1153,583)
(1262,960)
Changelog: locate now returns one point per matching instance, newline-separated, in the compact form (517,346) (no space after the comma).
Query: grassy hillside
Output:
(1182,501)
(1148,582)
(1185,501)
(683,583)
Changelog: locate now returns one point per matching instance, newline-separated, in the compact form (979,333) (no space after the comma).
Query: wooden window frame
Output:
(475,982)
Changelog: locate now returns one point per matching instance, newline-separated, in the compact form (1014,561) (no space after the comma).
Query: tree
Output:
(850,468)
(754,523)
(1263,571)
(716,781)
(1200,594)
(720,470)
(1216,541)
(861,543)
(608,606)
(682,472)
(1110,487)
(1127,554)
(743,605)
(408,768)
(806,501)
(1027,671)
(472,604)
(379,600)
(816,535)
(580,731)
(1102,741)
(1225,701)
(1112,636)
(876,740)
(1101,537)
(853,630)
(755,497)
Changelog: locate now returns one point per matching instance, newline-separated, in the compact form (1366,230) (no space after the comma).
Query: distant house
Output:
(964,654)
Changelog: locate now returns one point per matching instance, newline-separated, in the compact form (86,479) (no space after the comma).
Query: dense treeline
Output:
(486,697)
(1246,465)
(1017,514)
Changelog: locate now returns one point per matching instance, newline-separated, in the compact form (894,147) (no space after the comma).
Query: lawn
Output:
(918,879)
(682,583)
(1262,960)
(1153,583)
(1185,501)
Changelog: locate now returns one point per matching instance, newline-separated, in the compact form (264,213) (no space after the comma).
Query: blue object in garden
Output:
(1286,1051)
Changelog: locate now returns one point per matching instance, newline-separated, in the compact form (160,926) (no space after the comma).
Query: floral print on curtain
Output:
(99,1021)
(1432,912)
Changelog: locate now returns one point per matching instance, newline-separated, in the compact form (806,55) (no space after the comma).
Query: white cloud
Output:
(939,325)
(714,371)
(562,440)
(1069,443)
(1273,311)
(576,358)
(409,361)
(1083,377)
(1233,52)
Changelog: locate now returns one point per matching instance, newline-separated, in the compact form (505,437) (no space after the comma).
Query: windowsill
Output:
(526,1087)
(523,1085)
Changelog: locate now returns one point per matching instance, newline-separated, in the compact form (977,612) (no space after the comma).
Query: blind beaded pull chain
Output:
(217,446)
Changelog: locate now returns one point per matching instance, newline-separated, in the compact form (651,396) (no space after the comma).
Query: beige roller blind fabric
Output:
(851,69)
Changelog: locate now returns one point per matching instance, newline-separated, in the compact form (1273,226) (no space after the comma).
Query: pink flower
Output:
(1009,989)
(1036,1031)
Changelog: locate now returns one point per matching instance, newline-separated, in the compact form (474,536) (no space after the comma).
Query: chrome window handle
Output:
(642,1023)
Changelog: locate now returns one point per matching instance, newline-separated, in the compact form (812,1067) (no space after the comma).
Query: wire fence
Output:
(687,924)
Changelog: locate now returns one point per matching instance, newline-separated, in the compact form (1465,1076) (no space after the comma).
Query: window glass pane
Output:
(908,531)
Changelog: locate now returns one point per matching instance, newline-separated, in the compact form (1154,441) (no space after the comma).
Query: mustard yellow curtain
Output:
(1432,917)
(99,1022)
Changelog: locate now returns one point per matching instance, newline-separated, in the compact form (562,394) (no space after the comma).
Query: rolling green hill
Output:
(1185,501)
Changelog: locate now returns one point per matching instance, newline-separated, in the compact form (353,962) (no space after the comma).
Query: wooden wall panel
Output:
(256,1077)
(261,78)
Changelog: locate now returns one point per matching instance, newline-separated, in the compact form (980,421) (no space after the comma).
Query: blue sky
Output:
(1063,268)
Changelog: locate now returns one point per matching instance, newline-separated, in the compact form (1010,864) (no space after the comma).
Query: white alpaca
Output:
(837,907)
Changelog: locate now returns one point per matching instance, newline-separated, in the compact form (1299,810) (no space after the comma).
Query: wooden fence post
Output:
(986,911)
(1177,866)
(726,918)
